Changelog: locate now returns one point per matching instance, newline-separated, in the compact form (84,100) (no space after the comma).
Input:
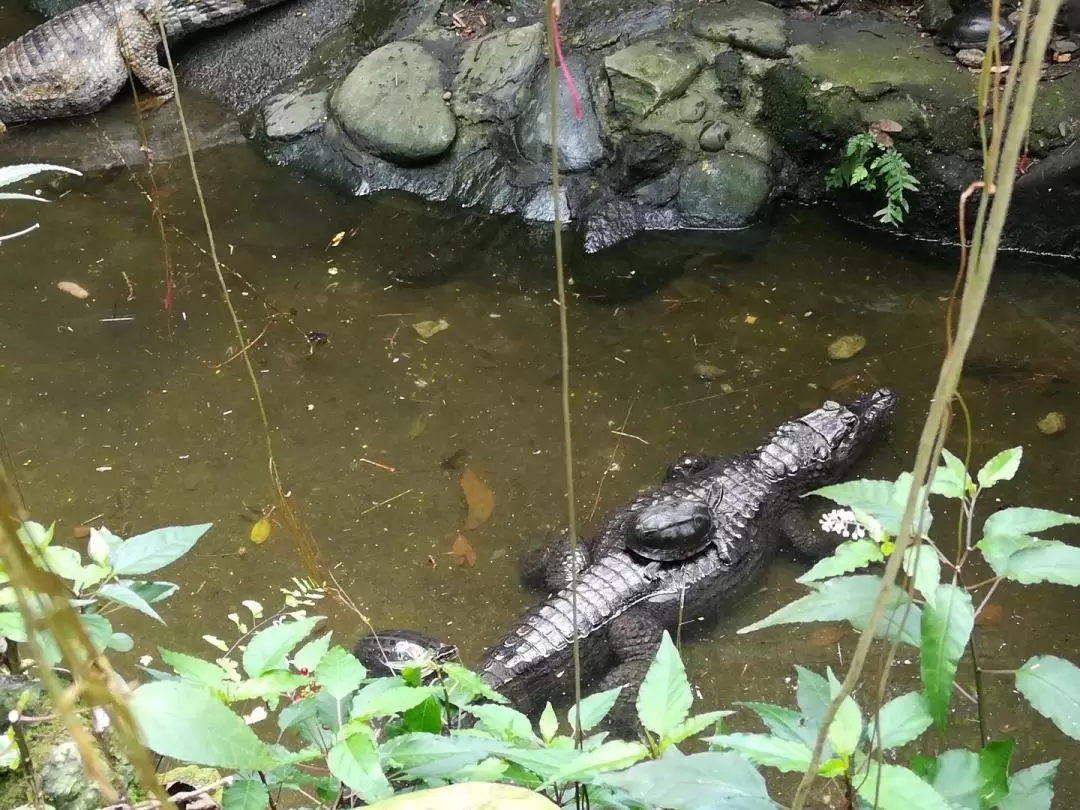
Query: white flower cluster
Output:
(843,523)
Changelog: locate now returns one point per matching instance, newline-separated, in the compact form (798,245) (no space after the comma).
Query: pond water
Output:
(117,407)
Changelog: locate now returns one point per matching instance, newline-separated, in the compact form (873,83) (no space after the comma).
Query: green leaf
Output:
(503,722)
(999,548)
(549,723)
(355,762)
(611,756)
(813,695)
(182,721)
(386,697)
(309,656)
(117,593)
(871,496)
(903,719)
(849,556)
(268,648)
(1044,561)
(62,561)
(594,708)
(193,669)
(900,790)
(946,628)
(151,591)
(340,673)
(1025,520)
(1001,467)
(1052,687)
(98,628)
(466,685)
(12,627)
(432,756)
(273,684)
(951,479)
(664,700)
(994,770)
(712,779)
(155,549)
(245,794)
(921,563)
(787,724)
(121,642)
(765,749)
(956,776)
(296,712)
(696,724)
(847,725)
(426,716)
(848,598)
(1031,788)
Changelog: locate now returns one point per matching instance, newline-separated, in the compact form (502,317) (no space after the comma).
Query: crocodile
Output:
(623,607)
(78,61)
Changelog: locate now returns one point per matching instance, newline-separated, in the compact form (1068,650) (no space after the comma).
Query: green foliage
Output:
(870,165)
(9,175)
(100,583)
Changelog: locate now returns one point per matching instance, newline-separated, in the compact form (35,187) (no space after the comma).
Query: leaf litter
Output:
(480,502)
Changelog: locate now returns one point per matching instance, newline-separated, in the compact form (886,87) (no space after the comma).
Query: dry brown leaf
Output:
(480,499)
(71,288)
(828,636)
(990,615)
(886,125)
(462,550)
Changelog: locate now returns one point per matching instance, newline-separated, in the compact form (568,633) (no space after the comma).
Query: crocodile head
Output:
(820,446)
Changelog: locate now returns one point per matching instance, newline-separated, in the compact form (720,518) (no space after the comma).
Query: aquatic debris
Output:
(707,371)
(882,131)
(71,288)
(337,239)
(1053,422)
(426,329)
(846,347)
(462,551)
(750,319)
(479,498)
(260,531)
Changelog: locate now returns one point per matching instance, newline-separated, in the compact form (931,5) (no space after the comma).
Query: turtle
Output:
(971,29)
(670,531)
(389,652)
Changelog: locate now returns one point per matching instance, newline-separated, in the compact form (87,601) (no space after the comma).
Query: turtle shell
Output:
(388,652)
(971,29)
(670,531)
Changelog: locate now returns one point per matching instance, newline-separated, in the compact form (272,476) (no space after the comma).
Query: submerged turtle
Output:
(971,29)
(671,531)
(388,652)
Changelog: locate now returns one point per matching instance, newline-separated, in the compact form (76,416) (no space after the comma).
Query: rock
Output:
(707,371)
(715,136)
(748,24)
(971,29)
(541,208)
(970,57)
(580,146)
(1052,423)
(192,777)
(291,115)
(1064,46)
(846,347)
(649,73)
(691,108)
(726,191)
(391,104)
(729,74)
(934,13)
(63,783)
(493,79)
(647,154)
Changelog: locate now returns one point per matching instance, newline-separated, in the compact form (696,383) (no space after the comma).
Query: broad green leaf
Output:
(308,656)
(903,719)
(849,556)
(63,561)
(268,648)
(34,536)
(155,549)
(273,684)
(549,723)
(1031,788)
(544,762)
(1025,520)
(951,479)
(849,598)
(696,724)
(871,496)
(1052,687)
(921,563)
(96,547)
(433,756)
(847,725)
(900,789)
(503,722)
(340,673)
(245,794)
(117,593)
(713,779)
(1001,467)
(426,716)
(946,628)
(386,697)
(151,591)
(956,776)
(297,712)
(98,628)
(12,627)
(999,548)
(194,669)
(787,724)
(466,685)
(121,642)
(664,700)
(765,749)
(90,575)
(182,721)
(611,756)
(901,489)
(994,770)
(1044,561)
(594,708)
(813,695)
(355,762)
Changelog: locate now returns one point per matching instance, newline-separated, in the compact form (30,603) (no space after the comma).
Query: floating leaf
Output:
(427,329)
(255,608)
(946,628)
(480,499)
(462,550)
(71,288)
(216,642)
(1052,687)
(260,531)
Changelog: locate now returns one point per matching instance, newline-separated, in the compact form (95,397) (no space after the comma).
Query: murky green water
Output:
(116,407)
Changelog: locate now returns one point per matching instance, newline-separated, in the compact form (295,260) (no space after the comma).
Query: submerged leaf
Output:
(260,531)
(479,498)
(462,550)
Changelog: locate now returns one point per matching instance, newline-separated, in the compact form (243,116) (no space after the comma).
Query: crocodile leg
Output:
(552,565)
(634,638)
(139,40)
(804,536)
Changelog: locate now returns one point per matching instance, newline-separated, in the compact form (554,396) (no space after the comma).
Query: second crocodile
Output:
(623,606)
